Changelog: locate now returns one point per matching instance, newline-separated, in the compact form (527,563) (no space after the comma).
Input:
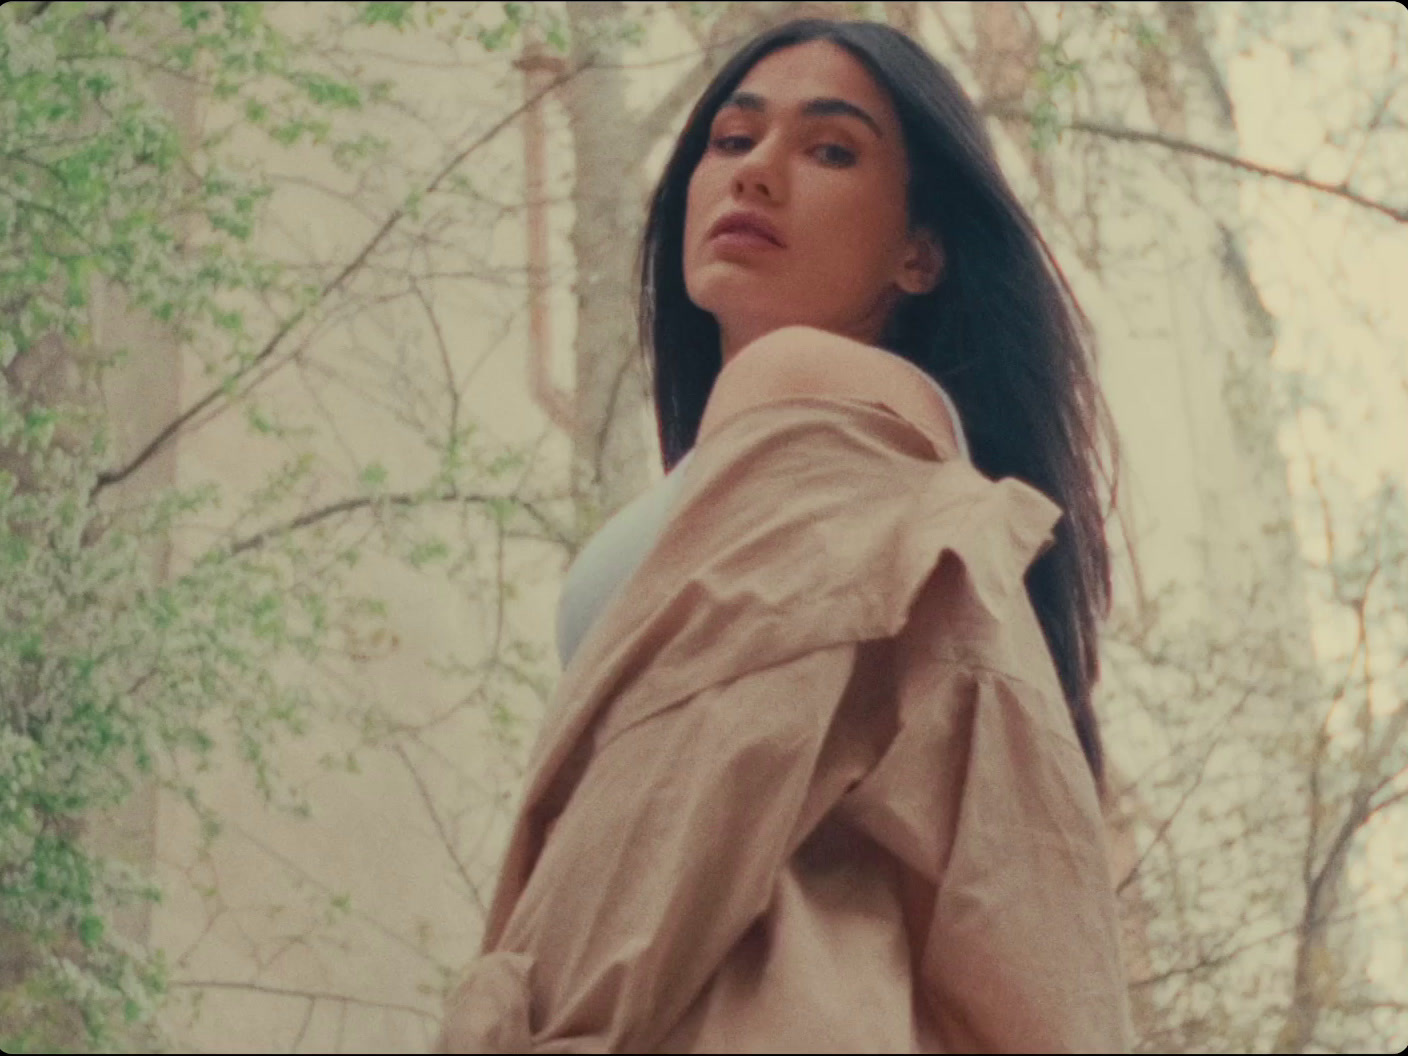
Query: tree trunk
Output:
(611,424)
(1233,371)
(609,436)
(139,397)
(133,400)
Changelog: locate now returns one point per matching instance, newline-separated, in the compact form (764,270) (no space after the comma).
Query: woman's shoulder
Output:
(806,361)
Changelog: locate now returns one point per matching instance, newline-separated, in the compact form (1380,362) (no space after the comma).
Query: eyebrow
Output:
(826,107)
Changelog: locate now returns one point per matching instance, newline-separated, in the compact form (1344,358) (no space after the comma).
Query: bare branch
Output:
(1132,135)
(445,840)
(1396,725)
(1187,793)
(310,995)
(657,119)
(403,499)
(1376,119)
(1397,797)
(688,21)
(498,588)
(450,384)
(300,871)
(224,391)
(903,15)
(1228,955)
(733,25)
(960,49)
(303,1027)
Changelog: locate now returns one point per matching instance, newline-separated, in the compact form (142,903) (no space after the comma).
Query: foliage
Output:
(1055,77)
(113,672)
(119,666)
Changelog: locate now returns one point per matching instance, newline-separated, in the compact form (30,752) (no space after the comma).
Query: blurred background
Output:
(318,364)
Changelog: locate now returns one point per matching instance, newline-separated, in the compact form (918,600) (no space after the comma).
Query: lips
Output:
(739,222)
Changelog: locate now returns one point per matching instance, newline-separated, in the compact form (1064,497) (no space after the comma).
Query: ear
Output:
(923,263)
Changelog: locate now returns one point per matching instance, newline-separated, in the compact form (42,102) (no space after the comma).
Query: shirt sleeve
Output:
(1024,950)
(989,798)
(665,853)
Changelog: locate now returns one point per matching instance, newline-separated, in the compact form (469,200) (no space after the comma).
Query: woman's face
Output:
(810,145)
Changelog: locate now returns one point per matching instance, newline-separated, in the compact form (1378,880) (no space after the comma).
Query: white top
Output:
(618,548)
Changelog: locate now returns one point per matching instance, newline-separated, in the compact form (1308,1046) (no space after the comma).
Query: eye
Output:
(834,155)
(731,144)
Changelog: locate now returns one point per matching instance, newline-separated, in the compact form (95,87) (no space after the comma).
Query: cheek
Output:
(699,194)
(860,223)
(700,204)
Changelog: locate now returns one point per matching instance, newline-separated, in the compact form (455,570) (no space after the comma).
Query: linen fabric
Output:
(602,567)
(810,784)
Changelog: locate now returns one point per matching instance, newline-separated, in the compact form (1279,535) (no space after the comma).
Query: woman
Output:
(823,776)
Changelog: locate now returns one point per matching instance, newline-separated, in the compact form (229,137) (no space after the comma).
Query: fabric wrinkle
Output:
(788,804)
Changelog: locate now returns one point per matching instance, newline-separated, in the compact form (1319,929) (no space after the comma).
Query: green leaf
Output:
(397,15)
(330,92)
(90,931)
(373,475)
(500,509)
(556,33)
(14,550)
(232,321)
(193,14)
(39,424)
(426,552)
(185,56)
(258,420)
(496,37)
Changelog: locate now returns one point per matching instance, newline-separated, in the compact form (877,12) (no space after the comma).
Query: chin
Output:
(733,298)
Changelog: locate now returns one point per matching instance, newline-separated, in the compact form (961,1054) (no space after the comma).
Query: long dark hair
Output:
(1002,333)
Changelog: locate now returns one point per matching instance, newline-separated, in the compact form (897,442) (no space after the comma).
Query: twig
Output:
(444,349)
(1217,960)
(1187,794)
(310,995)
(225,390)
(445,840)
(401,499)
(1132,135)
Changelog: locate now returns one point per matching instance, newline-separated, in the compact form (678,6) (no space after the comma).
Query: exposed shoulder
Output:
(805,361)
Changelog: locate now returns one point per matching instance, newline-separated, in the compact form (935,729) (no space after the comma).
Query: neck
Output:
(735,337)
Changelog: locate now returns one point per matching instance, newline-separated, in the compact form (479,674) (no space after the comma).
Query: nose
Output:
(760,173)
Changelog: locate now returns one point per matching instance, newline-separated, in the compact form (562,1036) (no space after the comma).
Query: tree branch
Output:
(1227,955)
(440,829)
(1397,723)
(959,48)
(308,995)
(1187,793)
(451,386)
(302,873)
(904,16)
(404,499)
(224,391)
(734,25)
(1384,804)
(653,123)
(688,21)
(1132,135)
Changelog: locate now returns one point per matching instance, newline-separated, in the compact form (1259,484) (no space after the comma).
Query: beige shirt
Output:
(811,785)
